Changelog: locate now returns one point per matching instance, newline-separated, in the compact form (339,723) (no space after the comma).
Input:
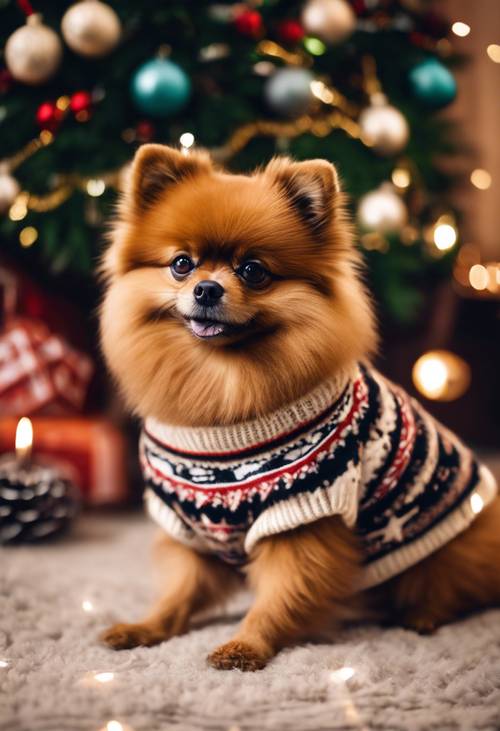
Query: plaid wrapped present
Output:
(40,372)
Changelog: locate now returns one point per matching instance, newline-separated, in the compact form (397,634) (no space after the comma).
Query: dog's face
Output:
(228,294)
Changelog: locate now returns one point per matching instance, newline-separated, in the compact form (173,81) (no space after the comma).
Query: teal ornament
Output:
(160,87)
(432,83)
(288,91)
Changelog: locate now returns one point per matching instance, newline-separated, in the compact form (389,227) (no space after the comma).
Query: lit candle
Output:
(36,500)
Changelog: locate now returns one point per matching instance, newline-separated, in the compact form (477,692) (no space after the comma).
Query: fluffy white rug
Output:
(50,653)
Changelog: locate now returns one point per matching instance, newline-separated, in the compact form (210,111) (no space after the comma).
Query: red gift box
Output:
(90,452)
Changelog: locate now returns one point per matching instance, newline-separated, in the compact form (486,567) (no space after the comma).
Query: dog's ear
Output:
(310,187)
(157,167)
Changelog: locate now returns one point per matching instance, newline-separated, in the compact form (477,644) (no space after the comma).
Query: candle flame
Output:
(24,438)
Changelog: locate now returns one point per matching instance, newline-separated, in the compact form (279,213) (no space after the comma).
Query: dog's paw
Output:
(424,625)
(124,636)
(239,655)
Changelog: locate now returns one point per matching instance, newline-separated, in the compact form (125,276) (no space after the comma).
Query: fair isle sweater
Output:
(356,446)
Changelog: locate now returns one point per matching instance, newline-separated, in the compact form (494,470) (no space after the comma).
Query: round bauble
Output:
(382,210)
(81,101)
(288,91)
(290,31)
(9,190)
(331,20)
(49,116)
(33,52)
(91,28)
(160,87)
(432,83)
(384,128)
(249,23)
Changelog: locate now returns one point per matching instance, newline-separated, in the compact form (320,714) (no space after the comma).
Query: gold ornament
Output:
(91,28)
(331,20)
(382,210)
(33,52)
(384,127)
(9,190)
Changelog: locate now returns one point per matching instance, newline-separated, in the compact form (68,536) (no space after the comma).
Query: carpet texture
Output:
(50,653)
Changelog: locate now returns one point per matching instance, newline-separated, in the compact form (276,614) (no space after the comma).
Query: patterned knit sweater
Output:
(356,446)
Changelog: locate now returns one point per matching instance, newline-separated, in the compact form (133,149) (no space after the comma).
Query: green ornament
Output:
(160,87)
(432,83)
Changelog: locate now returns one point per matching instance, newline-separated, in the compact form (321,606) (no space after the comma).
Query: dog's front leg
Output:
(300,578)
(193,582)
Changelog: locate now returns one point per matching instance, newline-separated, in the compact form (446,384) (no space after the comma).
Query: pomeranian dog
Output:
(237,327)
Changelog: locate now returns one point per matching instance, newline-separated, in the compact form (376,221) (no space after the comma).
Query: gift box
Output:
(91,452)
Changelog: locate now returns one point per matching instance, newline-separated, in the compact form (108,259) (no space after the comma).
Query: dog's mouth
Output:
(207,329)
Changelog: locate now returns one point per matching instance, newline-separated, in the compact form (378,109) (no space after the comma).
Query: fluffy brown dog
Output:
(228,298)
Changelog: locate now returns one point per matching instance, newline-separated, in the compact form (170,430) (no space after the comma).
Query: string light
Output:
(480,179)
(4,663)
(19,208)
(460,29)
(87,605)
(63,103)
(478,277)
(401,177)
(444,235)
(96,187)
(441,376)
(476,503)
(342,675)
(28,236)
(186,140)
(114,726)
(104,677)
(493,52)
(314,46)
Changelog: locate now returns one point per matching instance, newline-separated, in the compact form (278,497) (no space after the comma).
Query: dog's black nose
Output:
(208,292)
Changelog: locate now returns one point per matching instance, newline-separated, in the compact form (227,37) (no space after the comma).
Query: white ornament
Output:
(91,28)
(331,20)
(9,190)
(384,127)
(288,91)
(382,210)
(33,52)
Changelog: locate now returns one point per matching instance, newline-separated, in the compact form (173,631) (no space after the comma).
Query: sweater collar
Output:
(246,435)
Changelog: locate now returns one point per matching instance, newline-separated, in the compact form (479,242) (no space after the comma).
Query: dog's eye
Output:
(253,273)
(181,266)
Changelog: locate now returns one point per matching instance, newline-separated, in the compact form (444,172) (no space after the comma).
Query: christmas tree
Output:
(357,82)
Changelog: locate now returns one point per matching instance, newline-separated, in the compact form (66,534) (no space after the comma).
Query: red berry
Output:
(290,31)
(80,101)
(249,23)
(48,116)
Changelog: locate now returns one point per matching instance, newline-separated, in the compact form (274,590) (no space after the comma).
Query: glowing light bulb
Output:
(401,177)
(87,605)
(445,236)
(441,375)
(4,663)
(104,677)
(493,52)
(114,726)
(460,29)
(342,675)
(187,139)
(28,236)
(314,46)
(478,277)
(480,179)
(476,503)
(95,187)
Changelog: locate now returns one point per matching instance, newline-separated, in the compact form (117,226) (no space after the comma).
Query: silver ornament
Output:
(382,210)
(91,28)
(33,52)
(331,20)
(384,128)
(288,91)
(9,190)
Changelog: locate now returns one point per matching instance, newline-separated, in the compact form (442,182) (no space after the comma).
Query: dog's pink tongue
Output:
(206,329)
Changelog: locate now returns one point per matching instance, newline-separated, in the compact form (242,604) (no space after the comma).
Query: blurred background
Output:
(402,95)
